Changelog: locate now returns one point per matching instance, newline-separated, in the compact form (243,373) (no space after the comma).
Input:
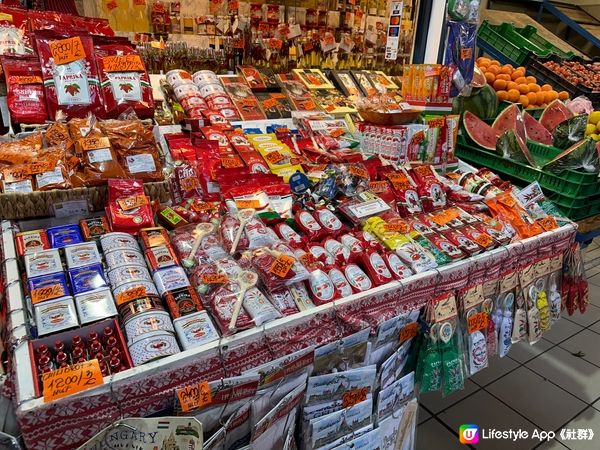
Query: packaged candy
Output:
(289,235)
(170,219)
(309,226)
(398,269)
(329,221)
(32,241)
(440,257)
(268,268)
(300,271)
(320,287)
(94,227)
(182,302)
(375,267)
(483,240)
(359,280)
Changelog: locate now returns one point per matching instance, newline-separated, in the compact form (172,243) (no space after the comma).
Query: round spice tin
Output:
(170,279)
(208,90)
(185,90)
(183,302)
(55,315)
(124,257)
(117,240)
(42,263)
(153,346)
(178,76)
(148,286)
(195,329)
(140,305)
(205,77)
(218,98)
(95,305)
(78,255)
(148,322)
(127,274)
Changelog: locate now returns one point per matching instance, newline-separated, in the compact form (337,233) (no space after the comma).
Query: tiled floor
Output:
(552,385)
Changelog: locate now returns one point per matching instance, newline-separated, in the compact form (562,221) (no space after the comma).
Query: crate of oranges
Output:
(514,84)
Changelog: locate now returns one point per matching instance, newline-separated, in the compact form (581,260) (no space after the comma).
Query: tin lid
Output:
(57,280)
(42,262)
(114,240)
(87,278)
(64,235)
(55,315)
(95,305)
(195,329)
(78,255)
(152,346)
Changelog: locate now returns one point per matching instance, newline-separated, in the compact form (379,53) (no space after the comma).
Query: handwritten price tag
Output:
(359,172)
(274,157)
(231,162)
(308,259)
(548,223)
(133,202)
(69,380)
(409,332)
(378,186)
(309,105)
(282,265)
(131,294)
(123,63)
(193,397)
(214,278)
(45,293)
(484,240)
(245,204)
(68,50)
(477,322)
(446,216)
(189,184)
(354,396)
(92,143)
(397,227)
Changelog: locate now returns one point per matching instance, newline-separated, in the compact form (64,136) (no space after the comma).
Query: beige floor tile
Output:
(561,330)
(591,315)
(487,412)
(588,419)
(539,400)
(571,373)
(586,342)
(498,367)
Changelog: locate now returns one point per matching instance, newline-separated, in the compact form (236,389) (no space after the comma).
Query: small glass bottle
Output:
(76,354)
(115,364)
(61,357)
(111,342)
(115,352)
(59,346)
(95,347)
(103,369)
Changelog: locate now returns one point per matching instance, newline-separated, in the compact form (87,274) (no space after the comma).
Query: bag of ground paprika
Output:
(24,89)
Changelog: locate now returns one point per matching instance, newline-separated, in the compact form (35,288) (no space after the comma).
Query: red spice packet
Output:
(25,89)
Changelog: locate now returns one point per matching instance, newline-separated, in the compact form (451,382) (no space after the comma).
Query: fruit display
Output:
(592,128)
(577,73)
(513,85)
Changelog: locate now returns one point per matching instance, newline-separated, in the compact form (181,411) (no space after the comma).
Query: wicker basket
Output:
(379,118)
(39,204)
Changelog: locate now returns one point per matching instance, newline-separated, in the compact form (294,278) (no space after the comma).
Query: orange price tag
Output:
(68,50)
(445,216)
(270,103)
(69,380)
(359,172)
(378,186)
(507,199)
(131,294)
(194,397)
(466,53)
(38,167)
(123,63)
(398,227)
(309,105)
(329,108)
(282,265)
(477,322)
(484,240)
(132,202)
(92,143)
(245,204)
(248,102)
(548,223)
(409,331)
(12,175)
(274,157)
(188,184)
(308,259)
(29,80)
(231,162)
(112,4)
(275,43)
(336,132)
(354,396)
(214,278)
(44,293)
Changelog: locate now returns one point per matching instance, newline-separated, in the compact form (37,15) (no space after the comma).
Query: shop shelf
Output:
(530,33)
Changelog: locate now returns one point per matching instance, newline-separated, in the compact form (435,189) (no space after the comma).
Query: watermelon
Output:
(479,80)
(535,131)
(512,147)
(570,131)
(555,113)
(510,119)
(581,155)
(479,131)
(482,102)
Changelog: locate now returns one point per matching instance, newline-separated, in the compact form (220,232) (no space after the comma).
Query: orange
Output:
(564,95)
(495,62)
(551,96)
(546,87)
(523,89)
(521,80)
(499,85)
(534,87)
(512,85)
(541,97)
(490,77)
(517,74)
(483,61)
(513,95)
(531,79)
(507,69)
(494,69)
(502,95)
(524,100)
(503,76)
(522,69)
(532,98)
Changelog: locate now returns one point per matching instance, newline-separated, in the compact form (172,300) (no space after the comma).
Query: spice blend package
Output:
(25,89)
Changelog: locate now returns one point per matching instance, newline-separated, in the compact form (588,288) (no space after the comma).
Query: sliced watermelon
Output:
(510,119)
(535,130)
(479,131)
(512,147)
(555,113)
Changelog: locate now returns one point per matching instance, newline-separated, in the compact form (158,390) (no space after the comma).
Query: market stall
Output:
(266,252)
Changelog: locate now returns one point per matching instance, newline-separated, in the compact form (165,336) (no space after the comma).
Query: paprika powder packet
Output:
(128,206)
(24,89)
(96,162)
(51,171)
(70,74)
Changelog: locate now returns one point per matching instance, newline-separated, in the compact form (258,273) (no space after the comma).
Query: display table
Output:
(147,389)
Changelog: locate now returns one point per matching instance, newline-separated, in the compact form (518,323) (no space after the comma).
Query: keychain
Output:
(555,298)
(492,329)
(542,304)
(505,339)
(431,363)
(520,321)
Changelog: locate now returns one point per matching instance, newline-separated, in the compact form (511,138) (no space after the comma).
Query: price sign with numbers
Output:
(477,322)
(354,396)
(274,157)
(214,278)
(131,294)
(193,397)
(409,331)
(68,50)
(69,380)
(548,223)
(282,265)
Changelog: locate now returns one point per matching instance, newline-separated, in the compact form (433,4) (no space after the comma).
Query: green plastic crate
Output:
(530,33)
(505,39)
(576,208)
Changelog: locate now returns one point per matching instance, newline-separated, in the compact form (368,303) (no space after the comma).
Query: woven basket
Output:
(39,204)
